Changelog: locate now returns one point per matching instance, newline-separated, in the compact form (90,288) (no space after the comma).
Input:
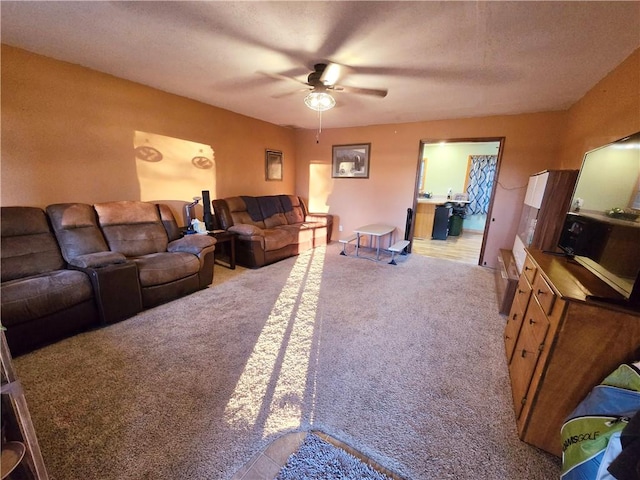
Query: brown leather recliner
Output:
(114,278)
(42,302)
(166,269)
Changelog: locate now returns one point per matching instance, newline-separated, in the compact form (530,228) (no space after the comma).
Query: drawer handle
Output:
(521,291)
(524,353)
(514,316)
(542,292)
(531,321)
(528,268)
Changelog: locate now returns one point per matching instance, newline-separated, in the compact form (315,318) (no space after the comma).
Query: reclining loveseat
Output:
(271,228)
(168,267)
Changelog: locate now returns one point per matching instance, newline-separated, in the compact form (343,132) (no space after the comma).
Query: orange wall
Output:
(68,135)
(608,112)
(532,143)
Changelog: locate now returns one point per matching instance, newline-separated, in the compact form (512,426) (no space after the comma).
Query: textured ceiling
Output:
(438,60)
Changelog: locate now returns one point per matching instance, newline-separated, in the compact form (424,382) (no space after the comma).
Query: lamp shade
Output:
(319,101)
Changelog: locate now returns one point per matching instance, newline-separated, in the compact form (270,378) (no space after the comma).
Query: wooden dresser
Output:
(559,345)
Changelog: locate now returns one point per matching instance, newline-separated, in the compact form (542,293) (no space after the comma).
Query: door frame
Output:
(490,219)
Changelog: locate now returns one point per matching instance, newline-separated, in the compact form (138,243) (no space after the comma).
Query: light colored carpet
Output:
(404,363)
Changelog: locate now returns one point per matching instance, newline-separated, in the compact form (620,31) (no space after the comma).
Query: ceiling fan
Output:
(324,78)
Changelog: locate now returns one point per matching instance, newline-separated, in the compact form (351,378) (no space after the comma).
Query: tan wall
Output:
(68,135)
(532,143)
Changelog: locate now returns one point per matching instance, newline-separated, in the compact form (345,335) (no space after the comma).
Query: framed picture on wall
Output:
(273,165)
(351,161)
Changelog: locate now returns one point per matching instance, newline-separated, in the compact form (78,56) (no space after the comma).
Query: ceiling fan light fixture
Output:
(319,101)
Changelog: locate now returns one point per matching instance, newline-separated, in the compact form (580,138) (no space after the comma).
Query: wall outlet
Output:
(339,228)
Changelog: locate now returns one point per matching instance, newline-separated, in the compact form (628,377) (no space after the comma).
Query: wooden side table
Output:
(229,239)
(22,452)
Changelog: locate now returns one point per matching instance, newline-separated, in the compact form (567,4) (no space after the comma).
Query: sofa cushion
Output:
(301,232)
(293,210)
(272,211)
(37,296)
(165,267)
(240,213)
(76,228)
(277,238)
(132,228)
(275,220)
(28,246)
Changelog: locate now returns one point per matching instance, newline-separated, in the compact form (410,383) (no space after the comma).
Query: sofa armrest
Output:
(246,230)
(97,260)
(116,289)
(323,218)
(195,244)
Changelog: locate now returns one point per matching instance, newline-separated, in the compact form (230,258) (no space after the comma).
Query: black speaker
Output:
(206,205)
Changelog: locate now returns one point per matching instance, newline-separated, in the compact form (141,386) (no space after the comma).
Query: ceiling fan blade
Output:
(288,94)
(277,76)
(331,74)
(362,91)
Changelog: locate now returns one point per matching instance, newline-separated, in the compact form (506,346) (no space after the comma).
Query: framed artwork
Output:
(351,161)
(273,165)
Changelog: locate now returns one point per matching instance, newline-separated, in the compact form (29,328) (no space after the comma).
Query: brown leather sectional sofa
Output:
(78,266)
(271,228)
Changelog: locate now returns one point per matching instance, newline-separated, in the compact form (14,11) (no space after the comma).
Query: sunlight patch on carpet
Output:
(276,373)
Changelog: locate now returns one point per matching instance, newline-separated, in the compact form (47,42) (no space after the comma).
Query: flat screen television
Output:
(602,230)
(609,248)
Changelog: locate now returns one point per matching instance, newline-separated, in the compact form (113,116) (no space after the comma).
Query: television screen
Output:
(608,247)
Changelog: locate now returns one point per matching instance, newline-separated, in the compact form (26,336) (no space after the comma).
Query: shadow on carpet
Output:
(317,459)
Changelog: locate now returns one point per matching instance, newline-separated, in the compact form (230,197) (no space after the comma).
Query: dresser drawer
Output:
(512,329)
(523,292)
(529,269)
(535,324)
(544,293)
(521,370)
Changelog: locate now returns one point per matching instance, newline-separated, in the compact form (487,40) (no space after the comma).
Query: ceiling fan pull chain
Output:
(319,126)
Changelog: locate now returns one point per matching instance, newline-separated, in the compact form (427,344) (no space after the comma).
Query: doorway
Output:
(454,191)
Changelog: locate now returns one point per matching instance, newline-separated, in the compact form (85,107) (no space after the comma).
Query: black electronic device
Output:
(609,248)
(207,216)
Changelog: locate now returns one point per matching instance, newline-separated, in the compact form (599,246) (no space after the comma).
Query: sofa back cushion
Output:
(169,222)
(28,246)
(76,228)
(244,210)
(294,209)
(272,211)
(132,228)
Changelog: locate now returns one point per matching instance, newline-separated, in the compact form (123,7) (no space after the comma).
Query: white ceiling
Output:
(438,60)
